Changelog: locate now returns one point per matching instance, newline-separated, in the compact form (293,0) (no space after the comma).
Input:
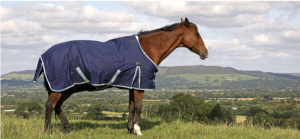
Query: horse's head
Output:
(192,39)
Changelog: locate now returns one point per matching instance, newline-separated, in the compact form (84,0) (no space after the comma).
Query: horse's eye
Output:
(197,34)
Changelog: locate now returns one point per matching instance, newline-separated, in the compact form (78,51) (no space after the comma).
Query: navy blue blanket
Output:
(119,62)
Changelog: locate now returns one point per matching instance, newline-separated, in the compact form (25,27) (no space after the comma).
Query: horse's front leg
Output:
(138,98)
(131,112)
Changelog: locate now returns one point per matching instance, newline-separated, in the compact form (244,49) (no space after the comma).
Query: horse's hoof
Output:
(130,130)
(66,130)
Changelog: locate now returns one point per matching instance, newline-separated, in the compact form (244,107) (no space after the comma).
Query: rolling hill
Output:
(179,70)
(190,77)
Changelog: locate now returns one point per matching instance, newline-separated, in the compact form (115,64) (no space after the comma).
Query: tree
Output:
(95,112)
(254,110)
(263,119)
(28,109)
(216,113)
(186,108)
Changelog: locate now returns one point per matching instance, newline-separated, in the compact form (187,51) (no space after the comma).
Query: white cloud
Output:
(279,55)
(48,24)
(292,35)
(81,18)
(6,13)
(211,14)
(262,39)
(242,35)
(19,26)
(227,46)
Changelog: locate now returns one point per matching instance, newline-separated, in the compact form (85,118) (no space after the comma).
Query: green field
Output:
(17,76)
(14,128)
(201,78)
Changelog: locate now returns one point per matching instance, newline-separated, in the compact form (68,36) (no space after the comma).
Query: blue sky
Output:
(261,36)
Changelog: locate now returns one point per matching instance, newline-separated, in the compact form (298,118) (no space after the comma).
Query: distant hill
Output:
(192,77)
(27,75)
(165,71)
(179,70)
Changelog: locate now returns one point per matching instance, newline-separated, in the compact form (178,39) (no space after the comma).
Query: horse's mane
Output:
(165,28)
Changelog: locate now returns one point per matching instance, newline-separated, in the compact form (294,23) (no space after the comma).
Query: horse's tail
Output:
(38,72)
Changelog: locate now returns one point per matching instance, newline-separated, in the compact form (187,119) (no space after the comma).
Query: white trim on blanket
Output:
(38,75)
(49,82)
(137,38)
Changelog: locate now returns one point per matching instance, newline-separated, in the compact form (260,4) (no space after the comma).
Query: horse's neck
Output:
(159,45)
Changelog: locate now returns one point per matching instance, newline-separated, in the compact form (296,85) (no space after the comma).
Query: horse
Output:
(155,44)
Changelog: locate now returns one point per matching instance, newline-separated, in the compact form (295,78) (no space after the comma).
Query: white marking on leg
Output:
(137,130)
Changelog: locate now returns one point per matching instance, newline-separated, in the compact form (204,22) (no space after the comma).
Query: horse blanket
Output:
(119,62)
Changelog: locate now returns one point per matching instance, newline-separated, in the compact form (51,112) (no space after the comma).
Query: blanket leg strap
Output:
(84,78)
(100,88)
(137,69)
(112,79)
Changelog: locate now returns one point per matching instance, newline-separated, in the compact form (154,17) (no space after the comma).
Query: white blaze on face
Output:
(137,130)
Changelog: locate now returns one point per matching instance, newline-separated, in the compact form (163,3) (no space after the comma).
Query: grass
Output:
(14,128)
(201,78)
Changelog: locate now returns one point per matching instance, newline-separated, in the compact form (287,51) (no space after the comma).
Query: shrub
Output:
(27,109)
(219,115)
(95,112)
(264,120)
(186,108)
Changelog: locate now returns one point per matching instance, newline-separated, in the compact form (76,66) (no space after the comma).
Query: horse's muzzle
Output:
(204,55)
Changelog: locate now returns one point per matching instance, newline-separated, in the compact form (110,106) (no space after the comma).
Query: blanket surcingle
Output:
(119,62)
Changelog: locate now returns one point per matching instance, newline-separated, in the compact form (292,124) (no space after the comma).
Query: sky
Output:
(262,36)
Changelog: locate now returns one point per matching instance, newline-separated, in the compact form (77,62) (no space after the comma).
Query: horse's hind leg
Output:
(50,105)
(60,114)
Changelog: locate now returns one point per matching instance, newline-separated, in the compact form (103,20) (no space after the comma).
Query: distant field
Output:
(214,78)
(153,129)
(249,99)
(109,113)
(26,77)
(112,114)
(155,100)
(240,119)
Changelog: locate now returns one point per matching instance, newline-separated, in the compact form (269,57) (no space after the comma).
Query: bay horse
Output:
(157,45)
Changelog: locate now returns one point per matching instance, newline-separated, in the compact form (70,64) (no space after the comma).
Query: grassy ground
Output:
(32,129)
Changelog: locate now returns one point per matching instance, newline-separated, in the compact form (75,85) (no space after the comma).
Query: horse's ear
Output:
(187,22)
(182,20)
